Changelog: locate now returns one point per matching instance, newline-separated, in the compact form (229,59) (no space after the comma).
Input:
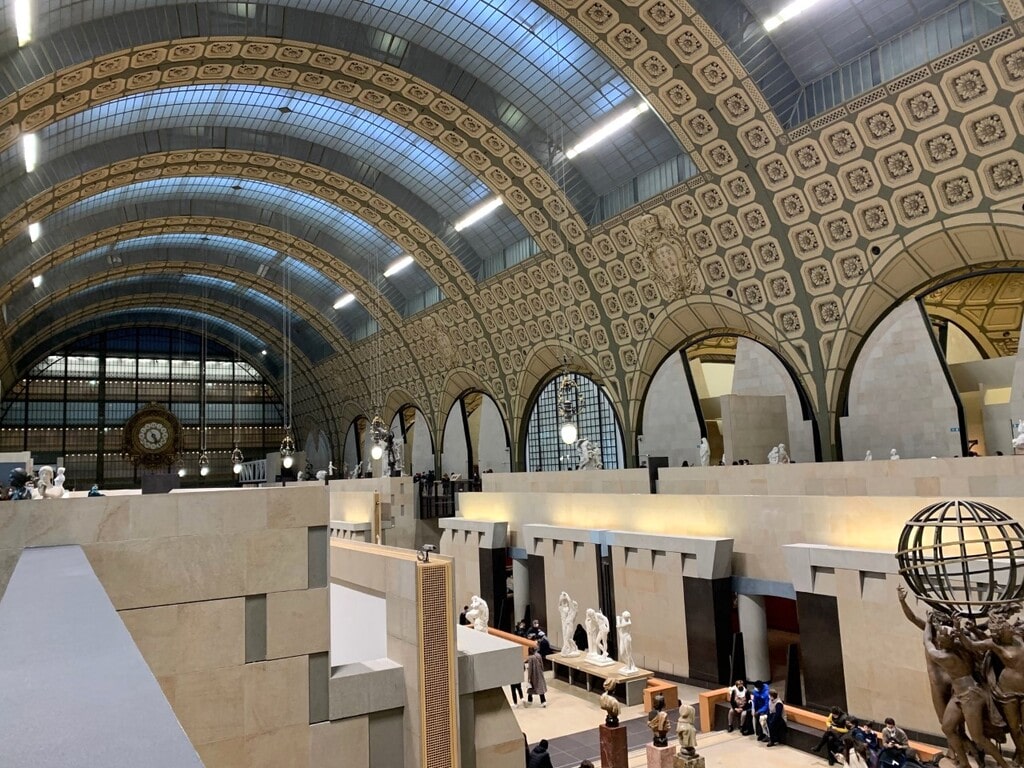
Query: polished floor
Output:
(570,720)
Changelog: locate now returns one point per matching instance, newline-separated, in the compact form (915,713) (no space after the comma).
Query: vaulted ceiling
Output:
(256,162)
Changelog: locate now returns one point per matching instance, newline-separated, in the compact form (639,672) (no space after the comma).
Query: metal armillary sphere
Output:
(963,557)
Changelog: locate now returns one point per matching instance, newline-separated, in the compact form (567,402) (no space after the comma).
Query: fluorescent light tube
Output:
(613,126)
(788,12)
(23,20)
(30,148)
(345,300)
(37,281)
(478,213)
(398,266)
(34,231)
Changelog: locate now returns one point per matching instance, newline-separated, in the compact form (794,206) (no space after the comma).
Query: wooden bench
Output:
(524,642)
(805,726)
(655,686)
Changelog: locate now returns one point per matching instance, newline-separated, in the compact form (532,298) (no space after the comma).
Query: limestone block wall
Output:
(670,424)
(899,396)
(352,500)
(752,426)
(649,584)
(590,481)
(758,525)
(953,478)
(759,372)
(455,456)
(422,455)
(570,564)
(478,561)
(225,595)
(879,683)
(490,447)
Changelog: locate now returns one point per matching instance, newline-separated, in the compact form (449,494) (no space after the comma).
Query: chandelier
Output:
(287,448)
(567,400)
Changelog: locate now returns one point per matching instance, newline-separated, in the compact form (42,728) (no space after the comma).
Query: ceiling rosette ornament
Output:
(669,258)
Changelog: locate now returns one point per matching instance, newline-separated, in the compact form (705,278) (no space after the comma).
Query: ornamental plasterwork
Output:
(669,258)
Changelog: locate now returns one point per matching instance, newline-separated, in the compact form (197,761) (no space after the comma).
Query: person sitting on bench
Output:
(836,727)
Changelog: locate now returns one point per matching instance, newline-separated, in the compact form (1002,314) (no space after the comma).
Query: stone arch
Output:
(428,249)
(267,287)
(253,233)
(917,263)
(531,193)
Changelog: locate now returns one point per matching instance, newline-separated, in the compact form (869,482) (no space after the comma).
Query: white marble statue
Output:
(590,624)
(1018,440)
(567,608)
(59,492)
(623,623)
(705,452)
(893,456)
(783,454)
(773,455)
(478,613)
(868,456)
(590,455)
(44,483)
(597,629)
(321,475)
(330,469)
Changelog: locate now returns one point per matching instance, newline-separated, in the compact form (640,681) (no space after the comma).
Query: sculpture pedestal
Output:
(660,757)
(614,753)
(688,762)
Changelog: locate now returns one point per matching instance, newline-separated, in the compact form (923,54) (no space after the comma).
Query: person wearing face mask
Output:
(739,706)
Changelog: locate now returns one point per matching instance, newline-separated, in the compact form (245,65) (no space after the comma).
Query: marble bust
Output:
(868,456)
(609,703)
(686,732)
(893,456)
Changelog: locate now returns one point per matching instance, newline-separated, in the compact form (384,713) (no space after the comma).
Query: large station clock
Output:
(152,437)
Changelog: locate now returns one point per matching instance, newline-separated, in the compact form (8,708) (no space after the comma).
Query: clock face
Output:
(153,435)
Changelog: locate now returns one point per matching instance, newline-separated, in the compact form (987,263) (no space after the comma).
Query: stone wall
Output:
(225,594)
(899,396)
(670,424)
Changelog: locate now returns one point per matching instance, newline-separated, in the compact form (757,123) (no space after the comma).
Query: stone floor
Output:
(570,721)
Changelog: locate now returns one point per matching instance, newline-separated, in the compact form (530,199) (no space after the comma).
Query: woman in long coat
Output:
(535,678)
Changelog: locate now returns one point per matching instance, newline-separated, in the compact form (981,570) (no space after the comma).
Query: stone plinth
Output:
(682,761)
(614,753)
(660,757)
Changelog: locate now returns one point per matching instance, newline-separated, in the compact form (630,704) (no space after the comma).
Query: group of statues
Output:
(893,455)
(976,676)
(779,455)
(1018,439)
(597,627)
(46,485)
(658,722)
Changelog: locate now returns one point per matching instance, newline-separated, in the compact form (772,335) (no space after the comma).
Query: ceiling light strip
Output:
(610,128)
(398,266)
(478,213)
(788,12)
(23,20)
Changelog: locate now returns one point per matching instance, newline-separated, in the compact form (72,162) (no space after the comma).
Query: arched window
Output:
(596,422)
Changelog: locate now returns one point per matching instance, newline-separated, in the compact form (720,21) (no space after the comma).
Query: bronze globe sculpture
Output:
(963,557)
